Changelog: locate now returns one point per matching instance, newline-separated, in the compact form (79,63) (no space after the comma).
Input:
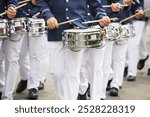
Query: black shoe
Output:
(131,78)
(33,94)
(148,72)
(108,85)
(81,97)
(125,71)
(22,85)
(41,86)
(113,91)
(0,95)
(88,91)
(141,63)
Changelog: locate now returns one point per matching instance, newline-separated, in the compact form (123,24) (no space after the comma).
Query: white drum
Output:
(112,32)
(36,27)
(127,31)
(75,39)
(3,29)
(17,26)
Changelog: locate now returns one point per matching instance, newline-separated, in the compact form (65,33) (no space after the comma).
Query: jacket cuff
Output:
(11,5)
(46,14)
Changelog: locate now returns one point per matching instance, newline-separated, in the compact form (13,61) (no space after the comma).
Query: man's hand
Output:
(105,21)
(11,12)
(116,7)
(128,2)
(52,23)
(139,14)
(34,2)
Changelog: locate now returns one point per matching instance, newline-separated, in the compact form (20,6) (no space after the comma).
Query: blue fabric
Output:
(76,9)
(5,3)
(27,11)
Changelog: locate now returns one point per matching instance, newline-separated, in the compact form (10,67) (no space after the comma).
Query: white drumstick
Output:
(15,8)
(108,6)
(66,22)
(23,1)
(96,21)
(132,16)
(34,16)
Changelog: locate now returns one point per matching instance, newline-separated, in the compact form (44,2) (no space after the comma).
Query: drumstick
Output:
(95,21)
(23,1)
(133,2)
(34,16)
(15,8)
(66,22)
(132,16)
(108,6)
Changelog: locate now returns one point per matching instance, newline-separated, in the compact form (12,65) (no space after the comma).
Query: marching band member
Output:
(30,68)
(119,51)
(65,64)
(11,51)
(134,44)
(112,12)
(143,54)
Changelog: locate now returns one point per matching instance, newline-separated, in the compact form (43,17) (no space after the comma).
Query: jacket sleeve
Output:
(44,9)
(109,10)
(135,7)
(96,9)
(12,3)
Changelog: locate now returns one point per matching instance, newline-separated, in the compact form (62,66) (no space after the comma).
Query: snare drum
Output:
(36,27)
(112,32)
(17,26)
(127,31)
(3,29)
(75,39)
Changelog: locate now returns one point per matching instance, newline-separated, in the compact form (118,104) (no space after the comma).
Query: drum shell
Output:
(3,29)
(112,32)
(36,27)
(76,39)
(17,26)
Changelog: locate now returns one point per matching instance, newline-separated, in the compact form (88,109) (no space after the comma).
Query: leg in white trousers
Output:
(2,73)
(24,62)
(143,48)
(95,70)
(133,48)
(119,57)
(83,73)
(32,72)
(148,64)
(11,51)
(65,67)
(107,66)
(44,60)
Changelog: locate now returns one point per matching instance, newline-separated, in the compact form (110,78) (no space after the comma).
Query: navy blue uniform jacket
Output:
(64,10)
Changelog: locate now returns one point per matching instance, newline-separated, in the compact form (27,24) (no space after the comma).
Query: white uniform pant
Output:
(143,47)
(119,57)
(11,52)
(95,70)
(30,65)
(44,60)
(133,48)
(2,73)
(65,66)
(83,73)
(107,66)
